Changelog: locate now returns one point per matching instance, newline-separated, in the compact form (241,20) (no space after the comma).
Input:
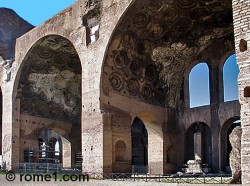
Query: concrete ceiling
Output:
(157,40)
(50,82)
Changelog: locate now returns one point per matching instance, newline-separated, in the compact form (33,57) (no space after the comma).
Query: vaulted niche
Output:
(199,144)
(230,79)
(49,93)
(156,41)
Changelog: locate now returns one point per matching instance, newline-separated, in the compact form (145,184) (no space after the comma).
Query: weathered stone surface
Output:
(90,92)
(241,15)
(11,27)
(235,155)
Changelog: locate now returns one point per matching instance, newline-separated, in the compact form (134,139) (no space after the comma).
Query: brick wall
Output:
(241,15)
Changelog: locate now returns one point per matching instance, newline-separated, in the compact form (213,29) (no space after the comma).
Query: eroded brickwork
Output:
(241,14)
(90,91)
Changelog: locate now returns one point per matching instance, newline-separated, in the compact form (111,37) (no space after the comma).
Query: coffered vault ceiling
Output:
(50,82)
(157,40)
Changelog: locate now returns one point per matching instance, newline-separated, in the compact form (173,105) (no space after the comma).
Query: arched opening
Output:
(199,91)
(56,148)
(149,50)
(226,147)
(49,97)
(139,147)
(120,150)
(230,79)
(198,148)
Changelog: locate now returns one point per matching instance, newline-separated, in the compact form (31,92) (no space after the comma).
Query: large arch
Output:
(47,95)
(198,145)
(150,49)
(149,43)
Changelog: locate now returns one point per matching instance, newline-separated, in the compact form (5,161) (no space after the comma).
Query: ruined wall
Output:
(241,13)
(107,114)
(121,111)
(217,112)
(91,57)
(152,47)
(225,111)
(11,27)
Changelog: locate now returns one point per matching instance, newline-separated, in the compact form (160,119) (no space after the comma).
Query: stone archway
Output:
(155,42)
(198,147)
(48,94)
(154,147)
(139,136)
(150,49)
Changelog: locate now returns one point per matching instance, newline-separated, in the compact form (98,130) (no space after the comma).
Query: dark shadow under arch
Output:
(225,145)
(48,87)
(206,143)
(120,150)
(139,145)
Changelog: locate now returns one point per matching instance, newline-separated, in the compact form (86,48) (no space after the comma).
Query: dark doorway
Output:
(139,147)
(205,143)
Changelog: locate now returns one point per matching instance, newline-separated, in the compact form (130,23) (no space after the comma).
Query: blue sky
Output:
(36,11)
(199,82)
(230,76)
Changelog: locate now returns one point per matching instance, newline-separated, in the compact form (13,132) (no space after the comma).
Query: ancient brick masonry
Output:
(241,15)
(110,79)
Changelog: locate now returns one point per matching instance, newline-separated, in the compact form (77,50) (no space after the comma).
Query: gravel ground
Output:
(91,182)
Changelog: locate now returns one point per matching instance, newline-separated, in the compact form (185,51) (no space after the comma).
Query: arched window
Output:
(120,150)
(199,92)
(230,76)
